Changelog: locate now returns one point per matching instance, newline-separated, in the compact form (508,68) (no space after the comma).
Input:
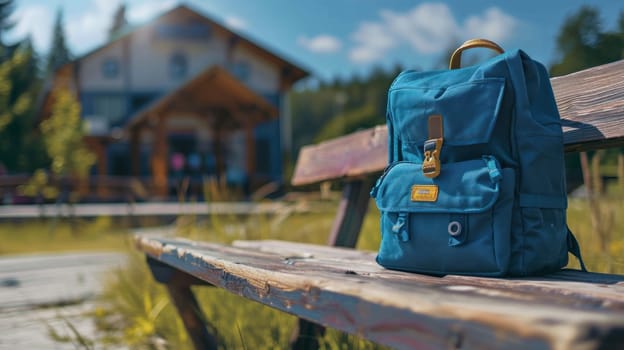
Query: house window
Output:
(178,65)
(110,68)
(113,107)
(241,70)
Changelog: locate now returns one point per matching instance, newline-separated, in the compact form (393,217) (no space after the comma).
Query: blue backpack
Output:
(475,183)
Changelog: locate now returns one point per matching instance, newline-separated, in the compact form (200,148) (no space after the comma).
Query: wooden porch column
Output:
(97,146)
(218,150)
(250,151)
(159,157)
(102,167)
(135,151)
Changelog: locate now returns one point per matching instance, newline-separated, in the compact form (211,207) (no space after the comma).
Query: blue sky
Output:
(334,37)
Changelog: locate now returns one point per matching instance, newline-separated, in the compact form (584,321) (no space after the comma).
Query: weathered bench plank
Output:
(591,104)
(345,289)
(584,285)
(357,154)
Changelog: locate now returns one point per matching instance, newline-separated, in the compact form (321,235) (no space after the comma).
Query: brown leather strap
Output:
(433,146)
(472,43)
(435,126)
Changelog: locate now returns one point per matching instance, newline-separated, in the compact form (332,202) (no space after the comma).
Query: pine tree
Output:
(582,42)
(18,88)
(119,22)
(6,24)
(28,78)
(20,149)
(59,54)
(6,10)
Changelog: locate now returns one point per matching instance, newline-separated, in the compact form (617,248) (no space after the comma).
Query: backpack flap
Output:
(469,111)
(458,222)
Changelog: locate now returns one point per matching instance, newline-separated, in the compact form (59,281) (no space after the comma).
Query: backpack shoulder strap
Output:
(575,249)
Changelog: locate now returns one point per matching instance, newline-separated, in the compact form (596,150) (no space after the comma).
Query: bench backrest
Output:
(591,104)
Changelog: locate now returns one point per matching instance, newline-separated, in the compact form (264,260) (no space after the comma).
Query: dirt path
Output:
(38,291)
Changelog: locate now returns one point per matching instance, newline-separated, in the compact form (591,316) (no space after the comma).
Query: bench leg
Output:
(353,206)
(202,333)
(306,335)
(345,232)
(192,317)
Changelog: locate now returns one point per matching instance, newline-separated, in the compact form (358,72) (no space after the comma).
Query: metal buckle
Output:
(431,163)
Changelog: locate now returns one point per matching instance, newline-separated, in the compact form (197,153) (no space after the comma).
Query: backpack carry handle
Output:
(472,43)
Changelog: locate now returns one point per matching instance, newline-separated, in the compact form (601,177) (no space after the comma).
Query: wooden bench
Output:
(343,288)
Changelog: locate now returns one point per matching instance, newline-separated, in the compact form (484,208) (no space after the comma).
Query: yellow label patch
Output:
(424,193)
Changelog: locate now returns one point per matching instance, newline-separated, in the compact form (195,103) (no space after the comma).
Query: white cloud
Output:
(373,40)
(85,30)
(90,28)
(320,43)
(235,22)
(426,28)
(494,25)
(33,20)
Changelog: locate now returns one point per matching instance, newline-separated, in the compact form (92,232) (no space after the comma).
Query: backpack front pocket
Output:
(457,223)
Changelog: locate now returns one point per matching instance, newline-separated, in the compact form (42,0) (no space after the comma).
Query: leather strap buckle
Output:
(432,148)
(431,163)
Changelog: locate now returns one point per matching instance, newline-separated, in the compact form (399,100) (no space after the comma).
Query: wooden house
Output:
(183,96)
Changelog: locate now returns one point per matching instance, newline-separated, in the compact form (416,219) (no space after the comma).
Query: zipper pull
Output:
(493,168)
(401,227)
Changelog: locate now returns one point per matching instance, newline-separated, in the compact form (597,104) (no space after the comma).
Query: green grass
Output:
(604,254)
(58,235)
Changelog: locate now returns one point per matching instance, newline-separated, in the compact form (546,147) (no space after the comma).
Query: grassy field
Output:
(56,235)
(135,310)
(602,251)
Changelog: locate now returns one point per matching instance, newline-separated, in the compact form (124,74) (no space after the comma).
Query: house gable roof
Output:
(290,72)
(215,93)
